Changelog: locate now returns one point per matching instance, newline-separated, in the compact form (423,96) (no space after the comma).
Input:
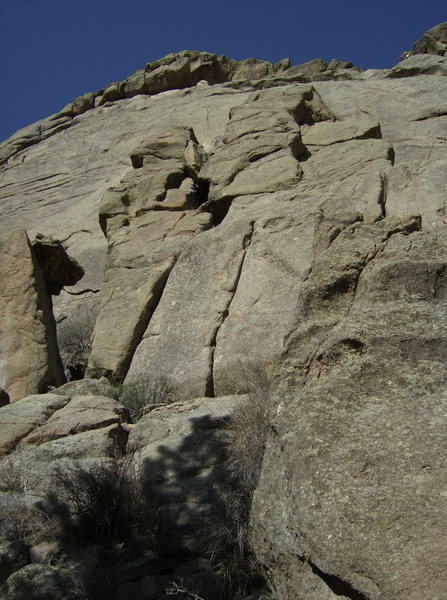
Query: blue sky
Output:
(54,50)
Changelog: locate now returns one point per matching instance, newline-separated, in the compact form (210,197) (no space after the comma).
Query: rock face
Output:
(228,216)
(30,361)
(359,497)
(434,41)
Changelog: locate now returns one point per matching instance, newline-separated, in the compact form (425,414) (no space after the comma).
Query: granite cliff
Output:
(182,231)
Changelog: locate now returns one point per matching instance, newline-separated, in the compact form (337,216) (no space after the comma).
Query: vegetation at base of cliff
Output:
(247,434)
(102,514)
(144,393)
(75,341)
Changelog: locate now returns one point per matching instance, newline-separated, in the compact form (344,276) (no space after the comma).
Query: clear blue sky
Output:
(54,50)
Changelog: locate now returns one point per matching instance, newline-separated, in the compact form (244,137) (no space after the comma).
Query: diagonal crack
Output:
(337,585)
(245,245)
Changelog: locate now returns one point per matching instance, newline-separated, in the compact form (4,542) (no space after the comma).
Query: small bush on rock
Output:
(144,393)
(74,339)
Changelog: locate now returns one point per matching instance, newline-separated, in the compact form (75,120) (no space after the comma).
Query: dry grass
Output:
(105,500)
(247,434)
(145,393)
(20,521)
(75,340)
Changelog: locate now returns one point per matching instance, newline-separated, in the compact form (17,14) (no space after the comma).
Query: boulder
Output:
(433,41)
(181,449)
(83,103)
(355,459)
(58,269)
(43,582)
(32,469)
(19,419)
(81,413)
(309,68)
(29,356)
(419,64)
(253,68)
(85,387)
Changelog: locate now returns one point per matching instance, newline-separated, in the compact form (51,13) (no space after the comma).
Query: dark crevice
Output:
(202,190)
(219,209)
(337,585)
(383,195)
(433,115)
(391,155)
(84,291)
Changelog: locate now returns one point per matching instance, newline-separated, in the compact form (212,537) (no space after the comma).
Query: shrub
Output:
(74,340)
(105,500)
(21,521)
(144,393)
(246,439)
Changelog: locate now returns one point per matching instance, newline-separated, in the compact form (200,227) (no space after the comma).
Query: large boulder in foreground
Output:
(352,495)
(29,357)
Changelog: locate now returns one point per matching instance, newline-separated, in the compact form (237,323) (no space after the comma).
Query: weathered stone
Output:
(114,91)
(182,348)
(18,419)
(135,84)
(335,64)
(420,64)
(29,357)
(33,468)
(58,269)
(309,69)
(433,41)
(145,242)
(202,286)
(181,448)
(82,103)
(81,413)
(253,68)
(328,132)
(43,582)
(69,174)
(85,387)
(351,413)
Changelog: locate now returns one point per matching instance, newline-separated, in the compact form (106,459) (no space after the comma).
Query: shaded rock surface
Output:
(433,41)
(182,448)
(58,269)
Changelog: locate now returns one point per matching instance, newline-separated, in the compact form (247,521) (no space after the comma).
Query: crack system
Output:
(209,390)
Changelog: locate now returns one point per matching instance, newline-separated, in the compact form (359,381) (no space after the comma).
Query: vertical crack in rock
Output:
(383,194)
(143,320)
(245,245)
(120,352)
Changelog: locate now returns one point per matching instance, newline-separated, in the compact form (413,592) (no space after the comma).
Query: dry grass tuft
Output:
(145,393)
